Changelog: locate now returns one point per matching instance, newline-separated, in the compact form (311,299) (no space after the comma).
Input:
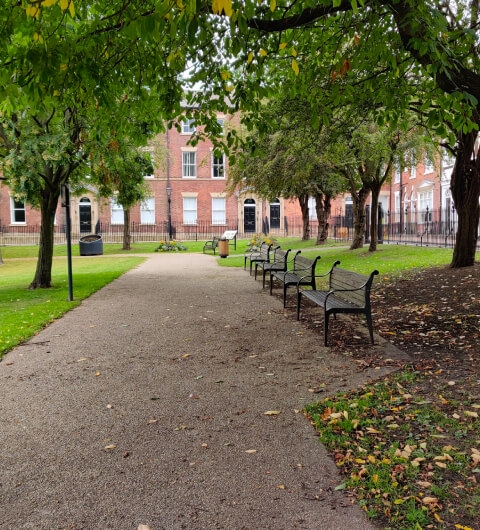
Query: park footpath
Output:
(172,399)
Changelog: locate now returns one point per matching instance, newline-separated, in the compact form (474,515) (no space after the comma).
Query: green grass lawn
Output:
(389,260)
(24,312)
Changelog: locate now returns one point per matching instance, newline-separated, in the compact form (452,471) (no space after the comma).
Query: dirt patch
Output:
(431,314)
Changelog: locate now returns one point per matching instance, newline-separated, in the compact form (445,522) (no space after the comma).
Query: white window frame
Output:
(190,211)
(398,173)
(116,213)
(14,208)
(147,211)
(221,122)
(219,211)
(218,166)
(312,208)
(189,164)
(429,166)
(188,126)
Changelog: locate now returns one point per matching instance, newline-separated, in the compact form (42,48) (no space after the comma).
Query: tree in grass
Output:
(287,160)
(67,80)
(431,46)
(120,172)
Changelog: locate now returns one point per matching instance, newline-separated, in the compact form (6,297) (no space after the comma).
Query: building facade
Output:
(189,200)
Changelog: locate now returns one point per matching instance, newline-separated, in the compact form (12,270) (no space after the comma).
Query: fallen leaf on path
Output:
(272,413)
(110,447)
(251,451)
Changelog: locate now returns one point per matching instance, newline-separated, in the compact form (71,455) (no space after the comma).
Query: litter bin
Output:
(91,245)
(223,248)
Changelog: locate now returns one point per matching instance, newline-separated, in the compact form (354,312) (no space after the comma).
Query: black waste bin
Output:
(91,245)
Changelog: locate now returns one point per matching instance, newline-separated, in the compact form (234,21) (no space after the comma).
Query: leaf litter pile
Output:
(408,446)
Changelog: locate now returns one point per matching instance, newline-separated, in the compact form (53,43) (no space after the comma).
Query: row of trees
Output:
(78,80)
(352,154)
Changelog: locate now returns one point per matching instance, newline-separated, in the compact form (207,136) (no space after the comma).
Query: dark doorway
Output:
(275,214)
(249,214)
(85,215)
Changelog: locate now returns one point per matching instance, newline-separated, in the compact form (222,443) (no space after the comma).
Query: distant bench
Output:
(348,292)
(212,244)
(300,271)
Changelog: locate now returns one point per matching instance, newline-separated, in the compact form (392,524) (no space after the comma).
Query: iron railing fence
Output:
(422,227)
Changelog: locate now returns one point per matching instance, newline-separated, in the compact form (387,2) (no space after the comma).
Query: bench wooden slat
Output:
(349,292)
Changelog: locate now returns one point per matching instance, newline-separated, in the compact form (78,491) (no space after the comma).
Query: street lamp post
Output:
(169,201)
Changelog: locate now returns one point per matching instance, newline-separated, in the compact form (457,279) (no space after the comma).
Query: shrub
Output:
(258,239)
(170,246)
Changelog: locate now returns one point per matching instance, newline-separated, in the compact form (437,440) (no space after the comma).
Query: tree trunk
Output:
(48,208)
(374,219)
(323,207)
(303,200)
(465,187)
(359,219)
(127,237)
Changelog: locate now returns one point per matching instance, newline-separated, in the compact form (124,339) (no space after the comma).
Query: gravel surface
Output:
(146,406)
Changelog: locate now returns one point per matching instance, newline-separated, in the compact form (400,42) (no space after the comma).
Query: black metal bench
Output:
(211,245)
(278,263)
(257,256)
(300,271)
(348,292)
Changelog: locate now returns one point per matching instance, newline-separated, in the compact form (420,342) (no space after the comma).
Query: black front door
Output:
(249,216)
(85,215)
(275,215)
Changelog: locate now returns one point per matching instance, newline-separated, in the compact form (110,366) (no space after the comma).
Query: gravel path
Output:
(146,406)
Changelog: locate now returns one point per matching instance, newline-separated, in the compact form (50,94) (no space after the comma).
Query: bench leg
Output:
(245,263)
(299,301)
(271,283)
(256,269)
(325,331)
(370,326)
(263,278)
(284,295)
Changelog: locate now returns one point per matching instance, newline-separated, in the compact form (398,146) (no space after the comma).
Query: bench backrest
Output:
(280,255)
(265,250)
(304,267)
(343,282)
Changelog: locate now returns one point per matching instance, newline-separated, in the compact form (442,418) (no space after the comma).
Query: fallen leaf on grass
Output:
(429,500)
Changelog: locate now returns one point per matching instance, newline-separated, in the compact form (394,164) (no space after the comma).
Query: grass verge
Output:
(24,312)
(410,455)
